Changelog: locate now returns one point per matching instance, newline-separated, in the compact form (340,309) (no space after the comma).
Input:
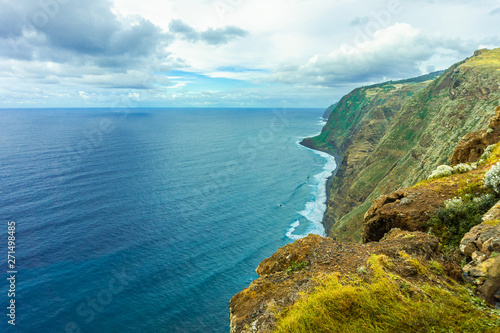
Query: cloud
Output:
(11,19)
(360,21)
(495,11)
(77,32)
(210,36)
(397,51)
(82,46)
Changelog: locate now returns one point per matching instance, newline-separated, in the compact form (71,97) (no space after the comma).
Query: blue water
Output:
(149,220)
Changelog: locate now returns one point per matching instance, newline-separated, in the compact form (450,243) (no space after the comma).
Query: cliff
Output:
(431,235)
(423,246)
(393,134)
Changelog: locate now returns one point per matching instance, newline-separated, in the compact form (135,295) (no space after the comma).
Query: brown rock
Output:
(407,209)
(495,120)
(470,148)
(482,245)
(491,285)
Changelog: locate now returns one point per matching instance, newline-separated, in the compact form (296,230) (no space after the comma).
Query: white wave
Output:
(294,225)
(315,210)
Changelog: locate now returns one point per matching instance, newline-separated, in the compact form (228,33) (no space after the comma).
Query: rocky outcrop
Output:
(293,268)
(472,145)
(408,209)
(481,246)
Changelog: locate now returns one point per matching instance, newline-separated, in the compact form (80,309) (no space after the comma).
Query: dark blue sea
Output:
(149,220)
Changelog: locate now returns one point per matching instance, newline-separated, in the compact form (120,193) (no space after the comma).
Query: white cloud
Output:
(398,51)
(109,49)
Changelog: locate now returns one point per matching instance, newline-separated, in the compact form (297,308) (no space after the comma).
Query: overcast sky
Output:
(227,53)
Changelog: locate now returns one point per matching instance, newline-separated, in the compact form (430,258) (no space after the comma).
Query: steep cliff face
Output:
(396,139)
(399,280)
(355,126)
(422,242)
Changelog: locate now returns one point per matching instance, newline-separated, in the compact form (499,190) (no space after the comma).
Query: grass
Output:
(387,304)
(487,59)
(436,268)
(493,222)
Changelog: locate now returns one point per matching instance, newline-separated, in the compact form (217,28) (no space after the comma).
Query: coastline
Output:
(306,142)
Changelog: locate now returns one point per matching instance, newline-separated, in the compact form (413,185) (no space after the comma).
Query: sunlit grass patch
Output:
(347,304)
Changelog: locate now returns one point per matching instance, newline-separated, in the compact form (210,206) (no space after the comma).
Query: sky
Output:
(227,53)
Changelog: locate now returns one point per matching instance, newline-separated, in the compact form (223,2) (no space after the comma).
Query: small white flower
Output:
(441,171)
(492,178)
(462,168)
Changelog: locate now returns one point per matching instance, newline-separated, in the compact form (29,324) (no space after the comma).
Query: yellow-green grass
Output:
(487,59)
(386,304)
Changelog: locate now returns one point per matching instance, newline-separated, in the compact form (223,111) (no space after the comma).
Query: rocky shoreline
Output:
(308,144)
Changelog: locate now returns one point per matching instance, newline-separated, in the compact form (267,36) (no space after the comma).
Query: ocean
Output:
(149,220)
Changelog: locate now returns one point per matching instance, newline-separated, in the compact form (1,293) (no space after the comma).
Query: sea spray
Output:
(315,209)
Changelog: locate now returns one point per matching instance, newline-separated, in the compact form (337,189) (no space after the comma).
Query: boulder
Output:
(407,209)
(470,148)
(481,246)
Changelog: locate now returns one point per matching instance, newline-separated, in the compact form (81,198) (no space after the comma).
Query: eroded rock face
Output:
(278,287)
(470,148)
(481,245)
(407,209)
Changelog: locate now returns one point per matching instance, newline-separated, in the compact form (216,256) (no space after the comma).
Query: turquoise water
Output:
(150,220)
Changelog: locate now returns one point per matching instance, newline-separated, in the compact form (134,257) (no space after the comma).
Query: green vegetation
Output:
(458,216)
(436,267)
(489,59)
(296,266)
(361,270)
(440,172)
(394,134)
(486,154)
(492,178)
(446,170)
(387,304)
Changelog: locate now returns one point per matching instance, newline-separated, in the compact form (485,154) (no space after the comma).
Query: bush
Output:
(487,152)
(458,216)
(441,171)
(463,168)
(492,178)
(296,266)
(436,267)
(446,170)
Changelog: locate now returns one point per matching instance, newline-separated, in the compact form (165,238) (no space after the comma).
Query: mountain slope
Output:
(391,138)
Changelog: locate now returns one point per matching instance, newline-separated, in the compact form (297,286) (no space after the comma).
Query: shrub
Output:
(463,168)
(361,270)
(459,215)
(492,178)
(296,266)
(446,170)
(441,171)
(436,267)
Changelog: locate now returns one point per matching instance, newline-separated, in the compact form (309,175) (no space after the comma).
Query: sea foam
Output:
(315,209)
